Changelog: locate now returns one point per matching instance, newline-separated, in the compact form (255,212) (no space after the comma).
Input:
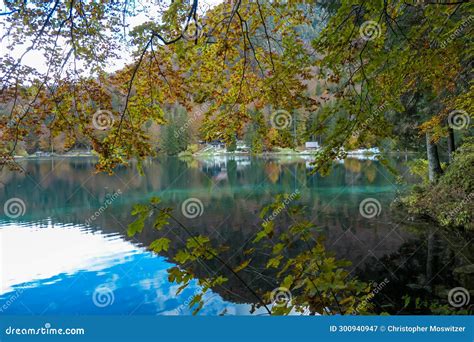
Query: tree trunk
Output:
(434,166)
(451,144)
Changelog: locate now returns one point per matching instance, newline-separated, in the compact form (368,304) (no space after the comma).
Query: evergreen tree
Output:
(175,134)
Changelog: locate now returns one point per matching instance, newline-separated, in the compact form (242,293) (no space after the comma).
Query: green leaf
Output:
(260,236)
(136,226)
(195,299)
(161,220)
(161,244)
(287,282)
(197,241)
(181,288)
(274,262)
(407,301)
(242,265)
(155,200)
(182,256)
(278,248)
(139,209)
(267,231)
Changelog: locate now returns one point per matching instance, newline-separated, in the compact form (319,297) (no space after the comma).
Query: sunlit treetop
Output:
(234,55)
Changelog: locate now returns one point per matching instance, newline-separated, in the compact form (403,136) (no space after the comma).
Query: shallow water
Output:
(69,253)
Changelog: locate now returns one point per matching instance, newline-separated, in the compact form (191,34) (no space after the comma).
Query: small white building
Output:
(311,145)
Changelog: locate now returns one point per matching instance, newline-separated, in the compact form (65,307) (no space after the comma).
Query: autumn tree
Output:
(392,57)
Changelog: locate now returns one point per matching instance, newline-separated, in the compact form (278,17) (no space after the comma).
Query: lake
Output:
(69,253)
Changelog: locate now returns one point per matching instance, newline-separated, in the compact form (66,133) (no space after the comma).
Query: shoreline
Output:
(198,155)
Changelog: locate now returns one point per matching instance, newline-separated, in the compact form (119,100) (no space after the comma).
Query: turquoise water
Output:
(69,252)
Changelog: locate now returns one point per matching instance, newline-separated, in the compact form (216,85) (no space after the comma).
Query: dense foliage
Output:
(308,278)
(351,74)
(450,200)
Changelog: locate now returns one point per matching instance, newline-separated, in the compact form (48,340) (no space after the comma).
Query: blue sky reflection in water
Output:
(57,268)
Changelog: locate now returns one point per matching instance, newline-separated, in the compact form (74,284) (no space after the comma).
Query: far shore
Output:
(218,153)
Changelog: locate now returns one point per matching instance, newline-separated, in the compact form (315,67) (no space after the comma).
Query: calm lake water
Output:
(64,251)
